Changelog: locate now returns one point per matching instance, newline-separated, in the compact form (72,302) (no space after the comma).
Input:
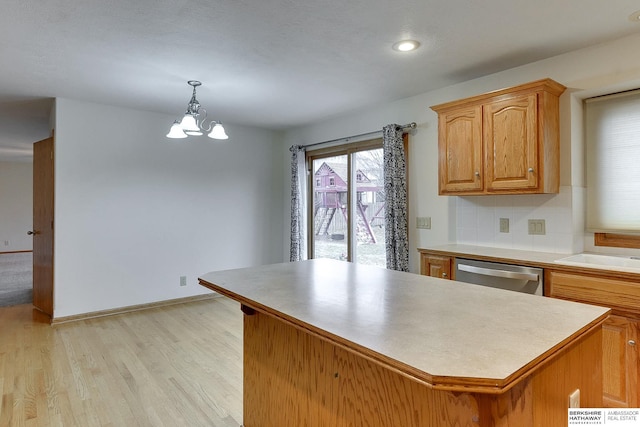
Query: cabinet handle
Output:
(531,170)
(632,342)
(444,275)
(477,173)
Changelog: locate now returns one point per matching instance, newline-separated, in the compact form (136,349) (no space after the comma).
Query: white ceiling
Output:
(271,63)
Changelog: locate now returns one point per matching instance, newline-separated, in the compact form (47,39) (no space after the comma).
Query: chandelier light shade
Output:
(192,124)
(218,132)
(176,131)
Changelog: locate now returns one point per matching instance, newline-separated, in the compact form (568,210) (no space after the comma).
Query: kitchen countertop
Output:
(513,256)
(443,335)
(527,258)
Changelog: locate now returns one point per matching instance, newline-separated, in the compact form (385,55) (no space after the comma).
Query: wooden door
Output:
(511,144)
(460,166)
(43,225)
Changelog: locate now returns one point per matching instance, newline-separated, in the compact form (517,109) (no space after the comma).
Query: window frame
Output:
(615,240)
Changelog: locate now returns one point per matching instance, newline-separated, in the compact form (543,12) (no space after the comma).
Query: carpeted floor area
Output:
(16,279)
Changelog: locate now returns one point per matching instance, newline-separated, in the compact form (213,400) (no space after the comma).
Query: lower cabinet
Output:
(620,362)
(435,266)
(620,331)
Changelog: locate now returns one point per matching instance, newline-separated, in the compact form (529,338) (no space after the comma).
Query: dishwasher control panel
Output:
(502,276)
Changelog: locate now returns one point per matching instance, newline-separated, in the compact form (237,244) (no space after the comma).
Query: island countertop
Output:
(449,336)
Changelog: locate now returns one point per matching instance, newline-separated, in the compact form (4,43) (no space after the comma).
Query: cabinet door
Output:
(435,266)
(511,144)
(460,151)
(620,362)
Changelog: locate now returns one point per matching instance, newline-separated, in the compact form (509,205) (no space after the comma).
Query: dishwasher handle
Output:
(498,273)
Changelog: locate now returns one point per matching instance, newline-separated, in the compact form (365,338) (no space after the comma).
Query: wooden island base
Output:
(292,377)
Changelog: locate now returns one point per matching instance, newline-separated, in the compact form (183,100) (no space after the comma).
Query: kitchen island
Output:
(331,343)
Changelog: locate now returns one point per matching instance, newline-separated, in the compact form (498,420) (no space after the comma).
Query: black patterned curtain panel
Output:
(298,204)
(395,188)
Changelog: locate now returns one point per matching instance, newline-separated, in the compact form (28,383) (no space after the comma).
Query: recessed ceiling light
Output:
(406,45)
(635,16)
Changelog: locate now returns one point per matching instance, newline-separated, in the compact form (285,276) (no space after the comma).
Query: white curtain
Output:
(395,189)
(298,248)
(612,135)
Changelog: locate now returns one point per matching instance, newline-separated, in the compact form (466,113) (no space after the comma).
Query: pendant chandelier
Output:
(192,124)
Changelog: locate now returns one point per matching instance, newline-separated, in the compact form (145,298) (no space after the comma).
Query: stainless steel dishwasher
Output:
(503,276)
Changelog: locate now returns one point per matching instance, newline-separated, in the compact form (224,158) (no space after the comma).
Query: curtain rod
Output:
(411,125)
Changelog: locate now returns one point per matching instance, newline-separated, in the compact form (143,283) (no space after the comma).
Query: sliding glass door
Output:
(347,203)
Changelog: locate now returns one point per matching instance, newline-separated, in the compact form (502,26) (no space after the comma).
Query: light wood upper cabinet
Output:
(510,144)
(460,150)
(503,142)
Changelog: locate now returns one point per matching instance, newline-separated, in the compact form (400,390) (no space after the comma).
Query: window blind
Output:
(613,162)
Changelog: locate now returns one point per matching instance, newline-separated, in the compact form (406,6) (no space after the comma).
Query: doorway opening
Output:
(16,278)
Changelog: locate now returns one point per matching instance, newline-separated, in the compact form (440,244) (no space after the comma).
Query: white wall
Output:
(596,70)
(16,206)
(135,211)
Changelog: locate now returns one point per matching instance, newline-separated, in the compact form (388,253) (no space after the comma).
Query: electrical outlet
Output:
(574,399)
(183,280)
(423,222)
(504,225)
(537,226)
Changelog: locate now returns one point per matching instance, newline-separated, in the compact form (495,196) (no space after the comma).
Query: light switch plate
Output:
(423,222)
(537,226)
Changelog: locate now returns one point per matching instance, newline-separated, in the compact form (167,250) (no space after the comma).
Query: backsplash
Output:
(478,221)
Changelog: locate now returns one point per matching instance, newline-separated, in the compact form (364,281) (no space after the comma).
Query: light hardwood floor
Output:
(178,365)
